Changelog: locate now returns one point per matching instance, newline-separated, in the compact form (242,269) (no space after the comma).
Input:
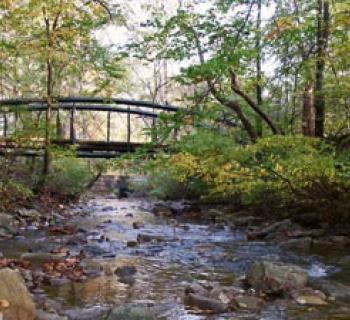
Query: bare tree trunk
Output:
(259,98)
(323,20)
(236,88)
(51,29)
(236,108)
(308,124)
(231,104)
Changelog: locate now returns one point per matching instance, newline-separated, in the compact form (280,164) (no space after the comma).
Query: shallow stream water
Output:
(190,251)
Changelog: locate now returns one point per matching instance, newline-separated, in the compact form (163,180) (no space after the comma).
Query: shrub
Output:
(13,193)
(276,173)
(69,177)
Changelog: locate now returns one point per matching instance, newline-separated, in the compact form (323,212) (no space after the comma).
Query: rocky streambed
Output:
(106,258)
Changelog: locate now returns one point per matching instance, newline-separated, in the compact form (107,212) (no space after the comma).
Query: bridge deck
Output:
(83,149)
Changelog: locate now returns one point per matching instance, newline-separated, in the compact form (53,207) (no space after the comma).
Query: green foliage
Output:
(13,192)
(69,177)
(15,187)
(280,171)
(81,65)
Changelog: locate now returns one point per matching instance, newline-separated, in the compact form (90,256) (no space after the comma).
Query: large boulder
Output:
(274,278)
(13,290)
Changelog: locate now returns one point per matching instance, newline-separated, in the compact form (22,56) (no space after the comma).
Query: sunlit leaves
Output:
(77,56)
(290,167)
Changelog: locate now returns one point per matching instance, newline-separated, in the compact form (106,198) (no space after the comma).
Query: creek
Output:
(170,253)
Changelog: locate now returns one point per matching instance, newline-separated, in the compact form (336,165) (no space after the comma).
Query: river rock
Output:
(141,237)
(245,221)
(132,243)
(274,278)
(316,233)
(95,250)
(308,219)
(13,290)
(131,313)
(205,304)
(344,261)
(163,211)
(56,282)
(43,315)
(29,213)
(137,225)
(249,302)
(40,256)
(216,292)
(197,289)
(225,295)
(276,228)
(126,274)
(7,223)
(146,303)
(334,289)
(340,241)
(126,271)
(92,313)
(302,245)
(309,296)
(77,239)
(331,243)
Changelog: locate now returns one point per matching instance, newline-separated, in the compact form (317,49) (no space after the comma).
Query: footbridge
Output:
(93,127)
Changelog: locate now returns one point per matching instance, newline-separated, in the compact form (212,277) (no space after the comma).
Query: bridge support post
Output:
(58,124)
(128,136)
(108,126)
(5,124)
(16,119)
(72,125)
(176,133)
(154,132)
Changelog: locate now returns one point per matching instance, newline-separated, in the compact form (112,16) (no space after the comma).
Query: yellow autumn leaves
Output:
(282,164)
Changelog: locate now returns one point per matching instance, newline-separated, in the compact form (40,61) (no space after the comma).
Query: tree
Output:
(323,28)
(58,36)
(219,51)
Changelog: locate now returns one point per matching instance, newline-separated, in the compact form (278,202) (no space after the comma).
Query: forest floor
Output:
(110,258)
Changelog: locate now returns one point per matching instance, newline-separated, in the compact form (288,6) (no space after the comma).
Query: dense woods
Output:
(242,72)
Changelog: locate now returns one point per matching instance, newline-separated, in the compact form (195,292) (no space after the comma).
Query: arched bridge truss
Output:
(96,127)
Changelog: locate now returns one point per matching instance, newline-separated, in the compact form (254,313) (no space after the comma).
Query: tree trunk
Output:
(236,88)
(51,29)
(49,100)
(308,124)
(236,108)
(259,100)
(231,104)
(323,20)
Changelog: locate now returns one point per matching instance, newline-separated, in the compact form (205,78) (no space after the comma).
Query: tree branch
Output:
(236,88)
